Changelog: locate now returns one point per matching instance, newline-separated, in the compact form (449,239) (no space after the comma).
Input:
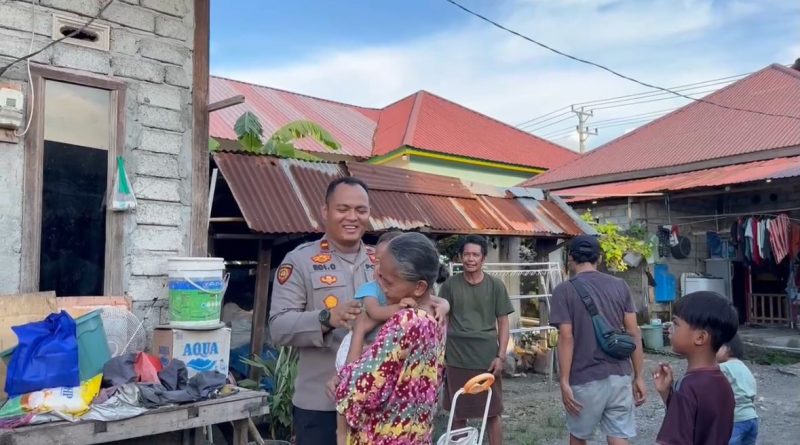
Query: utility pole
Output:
(583,130)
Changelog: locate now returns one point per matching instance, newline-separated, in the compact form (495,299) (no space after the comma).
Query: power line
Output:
(71,34)
(656,94)
(604,68)
(636,96)
(542,116)
(540,121)
(656,112)
(647,101)
(570,116)
(688,86)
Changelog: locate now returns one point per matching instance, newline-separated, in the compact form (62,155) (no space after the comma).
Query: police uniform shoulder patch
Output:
(284,272)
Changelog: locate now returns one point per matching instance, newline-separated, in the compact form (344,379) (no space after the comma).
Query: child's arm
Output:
(441,308)
(364,324)
(663,378)
(382,313)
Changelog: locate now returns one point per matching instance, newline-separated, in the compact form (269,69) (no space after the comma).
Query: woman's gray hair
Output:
(416,257)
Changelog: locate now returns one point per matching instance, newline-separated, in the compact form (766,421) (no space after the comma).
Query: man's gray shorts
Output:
(608,402)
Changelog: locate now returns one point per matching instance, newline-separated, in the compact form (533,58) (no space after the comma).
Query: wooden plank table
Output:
(236,408)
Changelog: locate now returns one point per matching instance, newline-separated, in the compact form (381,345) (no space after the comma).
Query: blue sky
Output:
(373,53)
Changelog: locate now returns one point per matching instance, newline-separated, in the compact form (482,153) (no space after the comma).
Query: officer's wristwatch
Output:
(325,318)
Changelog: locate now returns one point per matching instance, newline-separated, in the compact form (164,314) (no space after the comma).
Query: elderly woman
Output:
(389,395)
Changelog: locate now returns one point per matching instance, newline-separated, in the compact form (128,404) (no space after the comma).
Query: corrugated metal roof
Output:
(699,131)
(422,120)
(427,121)
(352,126)
(733,174)
(402,180)
(281,196)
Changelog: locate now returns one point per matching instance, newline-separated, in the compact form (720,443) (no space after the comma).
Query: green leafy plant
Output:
(615,243)
(250,134)
(283,372)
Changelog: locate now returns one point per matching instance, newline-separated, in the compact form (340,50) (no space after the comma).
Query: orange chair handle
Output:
(479,383)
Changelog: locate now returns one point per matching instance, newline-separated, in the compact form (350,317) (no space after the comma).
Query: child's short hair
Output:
(736,347)
(712,312)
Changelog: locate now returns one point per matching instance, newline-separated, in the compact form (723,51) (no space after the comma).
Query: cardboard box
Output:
(200,350)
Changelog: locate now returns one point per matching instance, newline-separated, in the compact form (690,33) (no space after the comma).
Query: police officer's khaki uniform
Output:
(311,278)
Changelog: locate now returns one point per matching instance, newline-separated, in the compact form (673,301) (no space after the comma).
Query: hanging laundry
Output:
(767,247)
(761,238)
(674,236)
(663,242)
(779,237)
(748,240)
(793,283)
(756,249)
(794,240)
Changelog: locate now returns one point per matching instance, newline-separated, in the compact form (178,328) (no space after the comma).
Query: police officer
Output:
(312,305)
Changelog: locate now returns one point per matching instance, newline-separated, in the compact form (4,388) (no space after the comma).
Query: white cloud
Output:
(513,80)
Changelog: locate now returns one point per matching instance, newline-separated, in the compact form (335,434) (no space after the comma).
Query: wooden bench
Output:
(187,420)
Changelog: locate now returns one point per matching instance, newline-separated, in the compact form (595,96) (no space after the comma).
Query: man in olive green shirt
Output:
(477,336)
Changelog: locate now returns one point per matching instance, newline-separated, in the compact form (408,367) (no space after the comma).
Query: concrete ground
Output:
(772,337)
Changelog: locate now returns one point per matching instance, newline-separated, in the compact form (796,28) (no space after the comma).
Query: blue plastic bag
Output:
(46,356)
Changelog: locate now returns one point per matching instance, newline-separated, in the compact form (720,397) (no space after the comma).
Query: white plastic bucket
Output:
(196,288)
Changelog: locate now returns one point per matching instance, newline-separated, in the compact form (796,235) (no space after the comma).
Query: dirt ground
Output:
(534,415)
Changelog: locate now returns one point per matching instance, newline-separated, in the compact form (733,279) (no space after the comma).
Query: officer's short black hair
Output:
(348,180)
(477,240)
(710,312)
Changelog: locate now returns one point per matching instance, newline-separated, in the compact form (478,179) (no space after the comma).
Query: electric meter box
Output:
(11,102)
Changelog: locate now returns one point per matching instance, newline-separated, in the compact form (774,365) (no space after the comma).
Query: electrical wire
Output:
(551,123)
(685,87)
(32,101)
(609,70)
(540,117)
(541,121)
(666,110)
(647,101)
(621,100)
(71,34)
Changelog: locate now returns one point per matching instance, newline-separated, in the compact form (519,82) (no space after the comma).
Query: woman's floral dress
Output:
(389,396)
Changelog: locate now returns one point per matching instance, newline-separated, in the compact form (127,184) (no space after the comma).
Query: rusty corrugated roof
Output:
(281,196)
(732,174)
(402,180)
(696,132)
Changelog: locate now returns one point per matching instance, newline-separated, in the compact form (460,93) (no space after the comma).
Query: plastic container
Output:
(653,336)
(665,284)
(93,352)
(196,288)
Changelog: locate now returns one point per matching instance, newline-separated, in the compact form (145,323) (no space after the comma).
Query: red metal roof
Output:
(422,120)
(432,123)
(352,126)
(699,131)
(281,196)
(732,174)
